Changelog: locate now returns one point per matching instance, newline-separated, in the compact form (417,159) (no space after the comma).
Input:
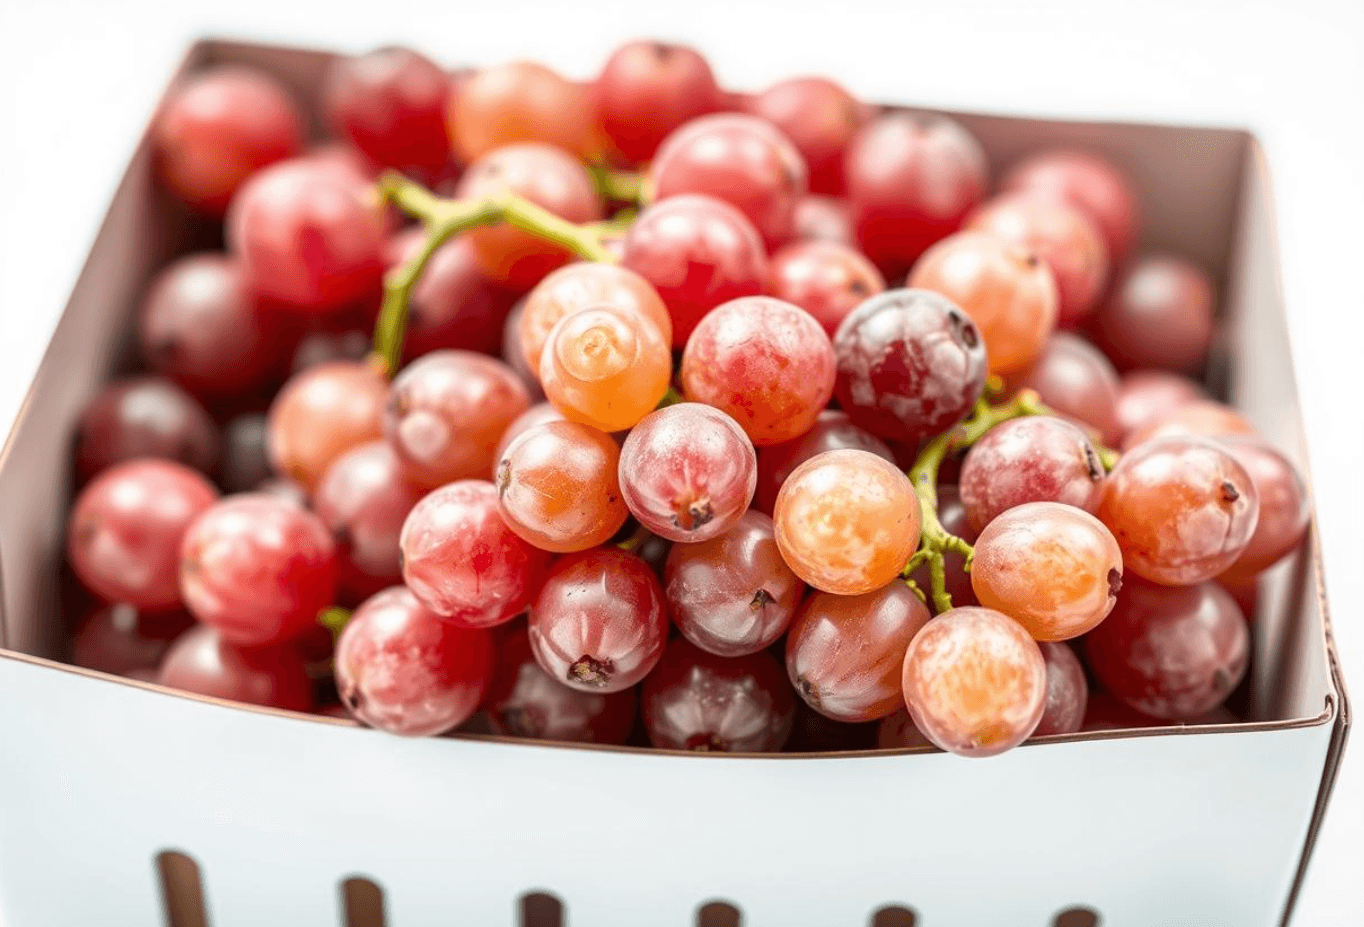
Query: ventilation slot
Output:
(181,891)
(363,902)
(1076,917)
(893,915)
(541,909)
(718,914)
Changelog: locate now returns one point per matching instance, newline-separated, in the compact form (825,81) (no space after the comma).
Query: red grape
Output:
(820,118)
(826,279)
(1034,459)
(1198,418)
(1159,314)
(897,732)
(257,569)
(1006,290)
(687,472)
(698,253)
(1182,510)
(202,662)
(824,218)
(910,365)
(124,534)
(975,682)
(144,417)
(847,521)
(1067,691)
(1077,381)
(606,368)
(646,90)
(765,362)
(452,305)
(1285,509)
(911,181)
(402,669)
(1090,184)
(733,594)
(521,102)
(740,159)
(844,654)
(446,412)
(1171,653)
(119,639)
(462,561)
(599,623)
(308,234)
(321,413)
(832,430)
(217,129)
(698,701)
(1145,396)
(390,103)
(512,354)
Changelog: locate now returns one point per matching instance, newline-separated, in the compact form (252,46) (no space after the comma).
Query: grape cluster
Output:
(669,387)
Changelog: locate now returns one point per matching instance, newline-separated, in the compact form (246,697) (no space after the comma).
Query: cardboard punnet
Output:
(99,776)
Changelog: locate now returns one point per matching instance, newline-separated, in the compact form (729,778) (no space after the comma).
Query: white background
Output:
(78,81)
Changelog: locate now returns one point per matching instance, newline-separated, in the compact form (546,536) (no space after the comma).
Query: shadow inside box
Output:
(362,904)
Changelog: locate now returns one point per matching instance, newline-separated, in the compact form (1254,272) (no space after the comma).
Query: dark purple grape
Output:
(246,463)
(1067,691)
(144,417)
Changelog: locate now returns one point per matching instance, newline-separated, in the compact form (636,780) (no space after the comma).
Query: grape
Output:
(321,346)
(123,537)
(1159,314)
(698,701)
(245,463)
(957,582)
(446,412)
(521,102)
(975,682)
(257,569)
(814,733)
(1285,509)
(826,279)
(1007,290)
(390,103)
(1182,510)
(911,181)
(765,362)
(1104,712)
(1067,691)
(739,159)
(402,669)
(320,414)
(1145,396)
(119,639)
(557,487)
(820,118)
(697,252)
(1199,418)
(1171,653)
(832,430)
(1077,381)
(452,305)
(581,286)
(538,414)
(462,561)
(202,662)
(688,472)
(824,218)
(363,500)
(847,521)
(285,490)
(201,326)
(546,176)
(599,623)
(1053,568)
(1062,236)
(1090,184)
(308,234)
(1244,589)
(1034,459)
(897,732)
(144,417)
(646,90)
(605,367)
(910,365)
(845,653)
(733,594)
(512,355)
(523,701)
(219,127)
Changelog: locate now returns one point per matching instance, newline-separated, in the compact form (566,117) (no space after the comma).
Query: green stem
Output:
(618,185)
(334,619)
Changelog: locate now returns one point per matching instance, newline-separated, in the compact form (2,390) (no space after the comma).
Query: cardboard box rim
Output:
(1336,709)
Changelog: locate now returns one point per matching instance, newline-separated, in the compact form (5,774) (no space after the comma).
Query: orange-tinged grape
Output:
(1051,567)
(585,286)
(605,368)
(1006,289)
(1146,396)
(975,682)
(321,413)
(557,487)
(1203,418)
(847,521)
(521,102)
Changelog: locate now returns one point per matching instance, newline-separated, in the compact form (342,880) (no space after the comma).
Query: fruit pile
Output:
(573,411)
